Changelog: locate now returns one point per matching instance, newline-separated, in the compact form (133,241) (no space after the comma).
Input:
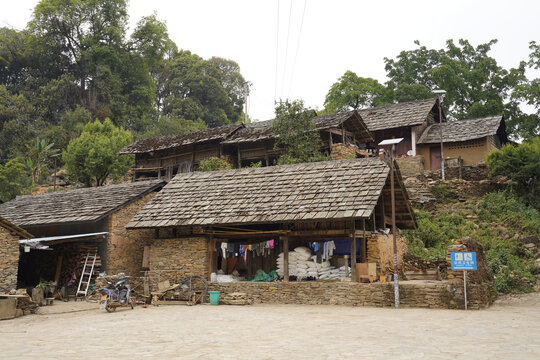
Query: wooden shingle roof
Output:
(169,142)
(462,130)
(262,130)
(74,206)
(14,229)
(398,115)
(347,189)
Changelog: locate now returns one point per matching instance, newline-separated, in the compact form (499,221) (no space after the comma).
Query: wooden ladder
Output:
(85,273)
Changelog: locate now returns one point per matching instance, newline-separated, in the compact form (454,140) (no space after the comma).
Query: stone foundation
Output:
(435,294)
(9,260)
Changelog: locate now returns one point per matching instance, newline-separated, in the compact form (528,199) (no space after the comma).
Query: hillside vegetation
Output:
(503,224)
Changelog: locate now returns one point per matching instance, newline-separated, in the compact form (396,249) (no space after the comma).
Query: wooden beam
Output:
(239,158)
(340,132)
(285,258)
(363,244)
(211,247)
(353,252)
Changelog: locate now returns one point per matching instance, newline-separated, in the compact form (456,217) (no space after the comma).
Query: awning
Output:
(44,242)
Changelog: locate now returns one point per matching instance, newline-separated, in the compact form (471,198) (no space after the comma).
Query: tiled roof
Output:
(262,130)
(329,190)
(168,142)
(74,206)
(398,115)
(462,130)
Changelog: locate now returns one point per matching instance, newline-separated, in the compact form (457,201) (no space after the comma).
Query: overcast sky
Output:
(336,36)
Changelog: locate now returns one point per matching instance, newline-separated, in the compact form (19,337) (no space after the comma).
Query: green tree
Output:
(475,84)
(195,88)
(521,164)
(172,125)
(15,124)
(38,152)
(354,92)
(297,136)
(14,180)
(529,126)
(214,163)
(93,157)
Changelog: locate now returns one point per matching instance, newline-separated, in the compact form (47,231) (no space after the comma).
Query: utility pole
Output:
(441,98)
(393,142)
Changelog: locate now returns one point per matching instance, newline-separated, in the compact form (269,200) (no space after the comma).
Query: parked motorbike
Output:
(117,294)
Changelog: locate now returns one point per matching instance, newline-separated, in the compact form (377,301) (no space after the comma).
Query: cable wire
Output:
(286,49)
(297,47)
(277,53)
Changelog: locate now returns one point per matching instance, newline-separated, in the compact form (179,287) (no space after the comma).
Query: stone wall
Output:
(470,173)
(480,286)
(125,247)
(9,260)
(411,166)
(173,259)
(412,294)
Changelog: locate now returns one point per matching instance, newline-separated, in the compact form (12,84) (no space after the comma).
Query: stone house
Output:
(291,205)
(10,235)
(242,144)
(469,140)
(76,222)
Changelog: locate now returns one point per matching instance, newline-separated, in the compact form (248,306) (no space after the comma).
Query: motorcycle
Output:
(117,294)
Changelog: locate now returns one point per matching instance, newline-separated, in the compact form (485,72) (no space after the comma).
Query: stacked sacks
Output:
(303,264)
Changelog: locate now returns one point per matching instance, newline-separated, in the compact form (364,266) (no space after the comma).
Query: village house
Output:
(286,206)
(406,120)
(68,225)
(10,234)
(467,140)
(241,144)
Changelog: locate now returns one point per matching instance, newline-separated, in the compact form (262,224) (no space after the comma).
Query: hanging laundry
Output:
(272,244)
(331,248)
(224,246)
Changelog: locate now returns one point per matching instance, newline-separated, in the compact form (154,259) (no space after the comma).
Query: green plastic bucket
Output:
(214,297)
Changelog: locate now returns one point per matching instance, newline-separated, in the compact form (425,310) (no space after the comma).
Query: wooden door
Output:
(435,156)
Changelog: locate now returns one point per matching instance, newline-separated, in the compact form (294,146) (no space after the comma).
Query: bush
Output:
(214,163)
(521,164)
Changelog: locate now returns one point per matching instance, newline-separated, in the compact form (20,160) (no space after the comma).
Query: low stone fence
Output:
(422,294)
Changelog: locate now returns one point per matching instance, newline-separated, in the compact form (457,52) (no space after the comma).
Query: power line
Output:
(297,47)
(286,50)
(277,52)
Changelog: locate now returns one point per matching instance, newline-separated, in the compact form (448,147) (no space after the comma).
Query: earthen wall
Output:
(125,247)
(9,260)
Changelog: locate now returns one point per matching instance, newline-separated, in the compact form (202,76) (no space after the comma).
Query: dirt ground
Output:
(508,330)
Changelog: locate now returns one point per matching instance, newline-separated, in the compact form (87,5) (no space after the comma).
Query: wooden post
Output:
(211,248)
(193,160)
(285,258)
(58,268)
(363,244)
(238,156)
(343,133)
(353,252)
(460,160)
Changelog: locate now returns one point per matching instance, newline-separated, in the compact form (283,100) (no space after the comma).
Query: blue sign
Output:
(463,260)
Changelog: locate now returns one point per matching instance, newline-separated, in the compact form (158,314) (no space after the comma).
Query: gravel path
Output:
(508,330)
